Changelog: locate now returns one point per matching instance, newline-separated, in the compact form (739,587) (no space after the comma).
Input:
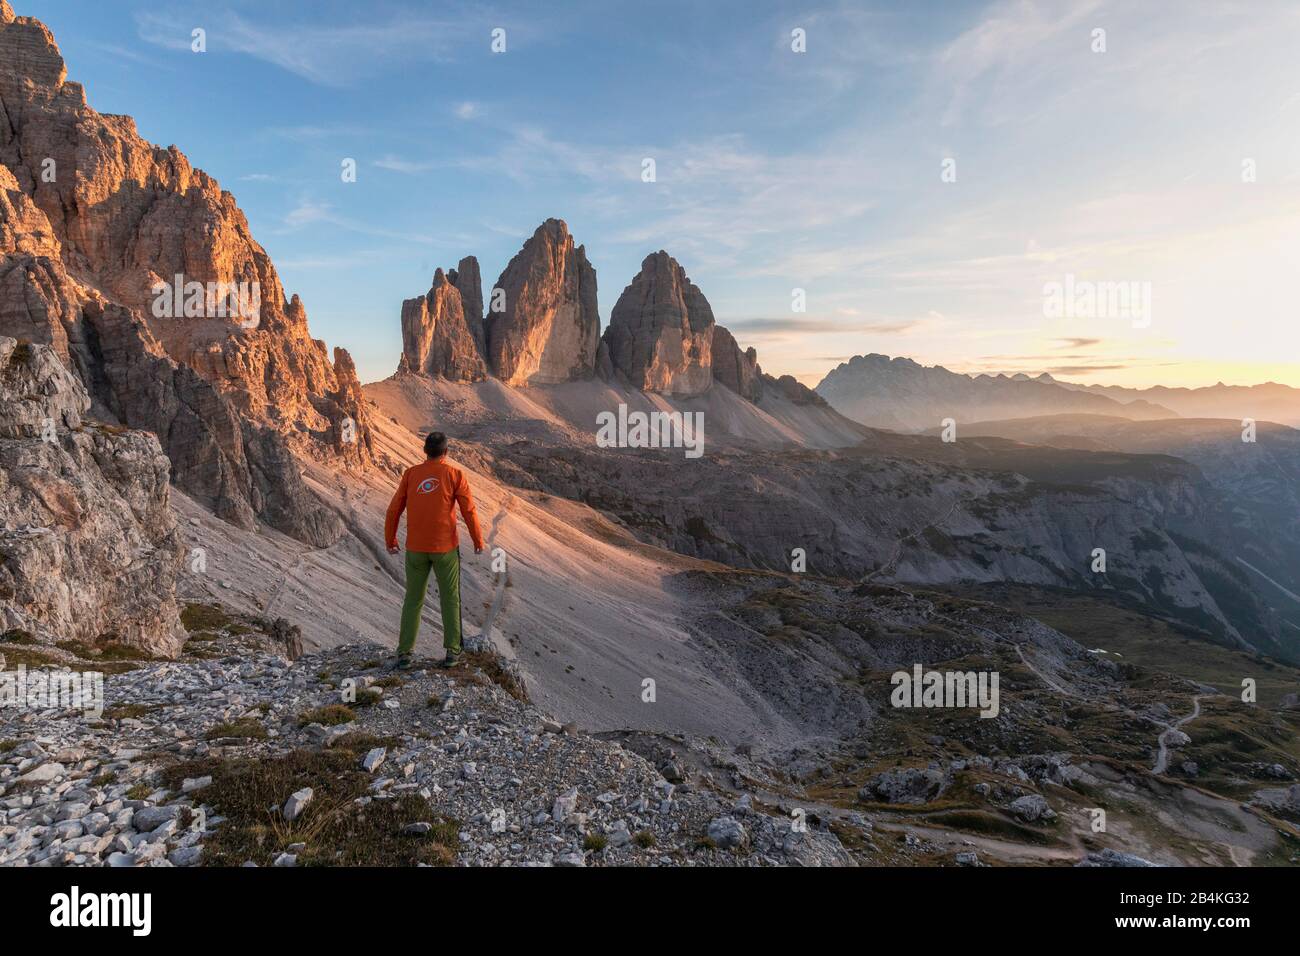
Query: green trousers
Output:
(446,570)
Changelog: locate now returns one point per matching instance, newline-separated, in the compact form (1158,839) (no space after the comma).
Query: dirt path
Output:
(502,578)
(1162,757)
(1050,682)
(278,590)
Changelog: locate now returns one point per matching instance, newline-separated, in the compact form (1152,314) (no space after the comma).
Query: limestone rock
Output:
(548,329)
(88,548)
(91,257)
(469,283)
(437,338)
(297,803)
(793,390)
(727,833)
(737,370)
(660,333)
(1031,808)
(909,785)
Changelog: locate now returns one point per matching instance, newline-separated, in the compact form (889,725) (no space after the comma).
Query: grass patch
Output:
(246,727)
(362,741)
(130,711)
(644,839)
(989,824)
(204,617)
(492,666)
(139,791)
(17,636)
(8,745)
(108,651)
(330,715)
(366,697)
(336,830)
(595,842)
(27,656)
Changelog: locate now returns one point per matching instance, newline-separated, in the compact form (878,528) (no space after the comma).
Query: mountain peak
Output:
(660,332)
(548,330)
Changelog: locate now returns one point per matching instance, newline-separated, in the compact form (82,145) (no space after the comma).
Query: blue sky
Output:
(776,170)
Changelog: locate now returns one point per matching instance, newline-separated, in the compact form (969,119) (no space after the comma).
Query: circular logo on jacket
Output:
(426,486)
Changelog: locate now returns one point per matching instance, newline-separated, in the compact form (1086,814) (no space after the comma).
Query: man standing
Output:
(429,493)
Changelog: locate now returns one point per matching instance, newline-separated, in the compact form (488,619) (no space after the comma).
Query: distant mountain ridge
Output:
(903,395)
(1268,401)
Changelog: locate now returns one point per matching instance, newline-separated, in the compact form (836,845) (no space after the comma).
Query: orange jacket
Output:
(428,493)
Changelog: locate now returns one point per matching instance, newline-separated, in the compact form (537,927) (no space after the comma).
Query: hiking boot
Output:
(400,662)
(449,661)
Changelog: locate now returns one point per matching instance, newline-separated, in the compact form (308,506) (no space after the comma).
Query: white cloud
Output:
(398,165)
(336,55)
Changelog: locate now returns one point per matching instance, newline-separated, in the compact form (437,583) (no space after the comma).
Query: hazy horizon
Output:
(1167,161)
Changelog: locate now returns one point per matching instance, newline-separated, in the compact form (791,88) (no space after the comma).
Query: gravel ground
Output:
(523,789)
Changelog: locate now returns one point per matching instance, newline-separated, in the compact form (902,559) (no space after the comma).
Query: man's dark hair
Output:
(435,444)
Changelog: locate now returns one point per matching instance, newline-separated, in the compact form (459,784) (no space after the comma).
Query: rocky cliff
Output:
(437,338)
(143,276)
(737,370)
(469,283)
(660,333)
(88,545)
(548,329)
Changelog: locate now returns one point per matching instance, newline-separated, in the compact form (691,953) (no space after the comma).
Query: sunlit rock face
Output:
(660,333)
(548,327)
(105,239)
(436,336)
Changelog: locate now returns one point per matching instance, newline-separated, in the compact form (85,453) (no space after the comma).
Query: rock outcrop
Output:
(737,370)
(469,283)
(119,251)
(793,390)
(89,550)
(548,329)
(437,338)
(661,331)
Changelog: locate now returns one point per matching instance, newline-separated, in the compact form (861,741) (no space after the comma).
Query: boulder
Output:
(297,803)
(1032,808)
(727,833)
(910,785)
